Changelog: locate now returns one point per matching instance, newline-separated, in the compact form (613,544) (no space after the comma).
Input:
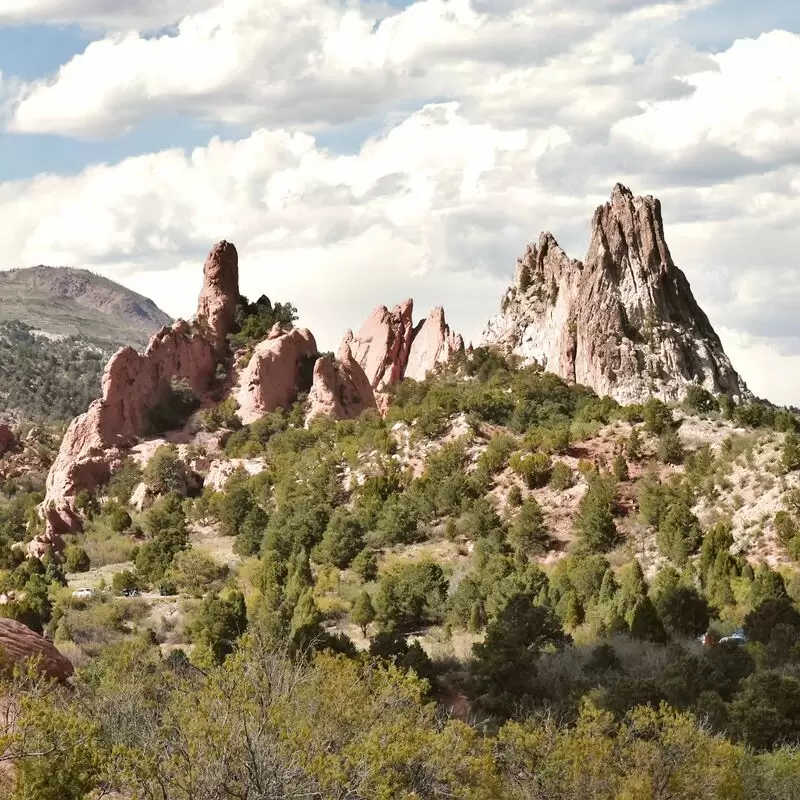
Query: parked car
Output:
(83,593)
(737,637)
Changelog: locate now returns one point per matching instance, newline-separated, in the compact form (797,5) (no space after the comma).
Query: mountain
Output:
(624,321)
(75,302)
(58,327)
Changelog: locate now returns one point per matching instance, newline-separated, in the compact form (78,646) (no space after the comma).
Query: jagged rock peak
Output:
(624,321)
(389,347)
(383,342)
(216,306)
(433,344)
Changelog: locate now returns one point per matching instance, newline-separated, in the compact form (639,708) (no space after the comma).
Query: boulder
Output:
(434,344)
(216,306)
(19,644)
(340,389)
(273,376)
(220,471)
(382,344)
(624,321)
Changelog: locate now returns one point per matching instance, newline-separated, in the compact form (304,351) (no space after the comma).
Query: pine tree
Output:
(363,612)
(633,448)
(619,468)
(595,521)
(644,622)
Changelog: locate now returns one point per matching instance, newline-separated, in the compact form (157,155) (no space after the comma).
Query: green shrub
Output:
(222,415)
(124,481)
(76,559)
(561,477)
(670,449)
(514,498)
(594,523)
(165,472)
(699,400)
(527,532)
(176,403)
(533,468)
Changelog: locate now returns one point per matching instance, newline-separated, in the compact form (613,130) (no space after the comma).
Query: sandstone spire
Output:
(341,389)
(389,347)
(216,306)
(624,321)
(433,344)
(382,344)
(133,384)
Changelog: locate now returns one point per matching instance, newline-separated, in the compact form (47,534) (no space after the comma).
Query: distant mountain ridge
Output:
(58,327)
(76,302)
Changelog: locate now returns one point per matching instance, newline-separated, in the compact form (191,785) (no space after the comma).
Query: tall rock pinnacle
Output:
(216,306)
(624,321)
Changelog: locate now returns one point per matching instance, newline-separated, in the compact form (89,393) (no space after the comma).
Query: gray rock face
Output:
(623,321)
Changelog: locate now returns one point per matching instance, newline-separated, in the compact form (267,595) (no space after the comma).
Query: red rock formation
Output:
(341,389)
(382,344)
(434,344)
(216,306)
(18,644)
(390,348)
(132,385)
(270,380)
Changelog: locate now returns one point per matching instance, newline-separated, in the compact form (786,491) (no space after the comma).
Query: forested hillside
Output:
(497,591)
(45,378)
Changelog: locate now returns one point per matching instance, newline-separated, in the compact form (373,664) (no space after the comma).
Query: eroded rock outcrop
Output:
(19,644)
(389,347)
(216,306)
(133,385)
(340,389)
(624,321)
(434,344)
(382,344)
(272,378)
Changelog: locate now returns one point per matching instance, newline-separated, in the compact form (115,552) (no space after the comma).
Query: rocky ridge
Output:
(624,321)
(387,348)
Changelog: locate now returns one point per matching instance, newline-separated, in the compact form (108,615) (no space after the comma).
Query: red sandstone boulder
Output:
(382,344)
(271,378)
(19,644)
(216,306)
(434,344)
(341,389)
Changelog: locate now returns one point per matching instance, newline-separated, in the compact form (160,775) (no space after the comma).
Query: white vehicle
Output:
(84,592)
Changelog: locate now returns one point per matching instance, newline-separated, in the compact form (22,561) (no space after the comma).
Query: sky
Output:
(358,153)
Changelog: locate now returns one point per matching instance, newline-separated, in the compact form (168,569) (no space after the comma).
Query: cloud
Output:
(315,63)
(532,124)
(747,105)
(141,15)
(436,208)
